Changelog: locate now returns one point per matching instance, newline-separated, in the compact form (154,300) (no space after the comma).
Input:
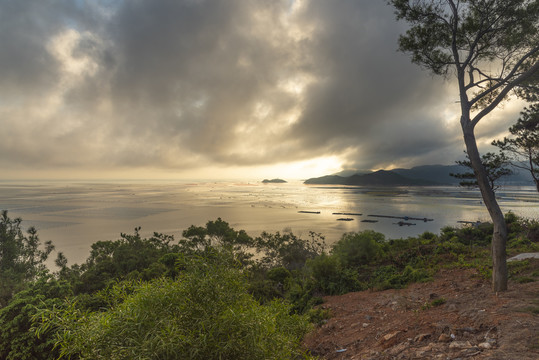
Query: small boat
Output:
(345,219)
(308,212)
(346,213)
(369,221)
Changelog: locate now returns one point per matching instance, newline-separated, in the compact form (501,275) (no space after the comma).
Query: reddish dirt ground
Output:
(472,323)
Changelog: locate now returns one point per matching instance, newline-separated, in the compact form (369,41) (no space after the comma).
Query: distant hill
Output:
(377,178)
(426,175)
(436,173)
(328,179)
(350,172)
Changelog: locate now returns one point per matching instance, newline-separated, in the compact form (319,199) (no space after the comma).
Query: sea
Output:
(76,214)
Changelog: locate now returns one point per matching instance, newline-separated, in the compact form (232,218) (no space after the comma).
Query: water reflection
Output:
(75,215)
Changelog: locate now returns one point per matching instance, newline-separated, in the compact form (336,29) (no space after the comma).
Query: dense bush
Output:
(389,277)
(17,319)
(22,257)
(130,257)
(205,314)
(356,249)
(288,250)
(331,277)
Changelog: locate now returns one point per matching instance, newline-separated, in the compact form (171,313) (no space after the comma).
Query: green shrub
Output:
(532,231)
(427,235)
(205,314)
(22,258)
(518,267)
(288,250)
(330,277)
(318,316)
(130,257)
(355,249)
(476,235)
(433,303)
(279,275)
(17,318)
(524,280)
(453,246)
(389,277)
(438,302)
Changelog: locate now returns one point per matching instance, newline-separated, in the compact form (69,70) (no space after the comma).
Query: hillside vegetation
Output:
(217,293)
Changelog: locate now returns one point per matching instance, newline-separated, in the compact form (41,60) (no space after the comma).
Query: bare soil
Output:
(456,316)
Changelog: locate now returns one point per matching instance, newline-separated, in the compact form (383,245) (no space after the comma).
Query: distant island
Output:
(273,181)
(426,175)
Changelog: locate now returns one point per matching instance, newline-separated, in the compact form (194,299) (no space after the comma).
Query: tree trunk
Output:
(535,180)
(499,236)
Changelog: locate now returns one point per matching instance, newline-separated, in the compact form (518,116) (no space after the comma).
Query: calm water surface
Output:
(75,215)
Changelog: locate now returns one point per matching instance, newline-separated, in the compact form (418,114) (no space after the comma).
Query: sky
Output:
(200,89)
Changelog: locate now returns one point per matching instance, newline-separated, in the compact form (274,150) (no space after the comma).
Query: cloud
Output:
(198,83)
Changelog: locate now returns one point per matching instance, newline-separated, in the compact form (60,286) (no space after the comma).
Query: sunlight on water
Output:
(74,215)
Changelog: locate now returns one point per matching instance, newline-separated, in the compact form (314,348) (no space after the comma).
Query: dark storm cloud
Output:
(24,29)
(190,72)
(374,99)
(181,84)
(197,70)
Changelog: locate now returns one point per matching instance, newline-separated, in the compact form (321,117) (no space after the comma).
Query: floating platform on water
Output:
(402,223)
(347,213)
(403,218)
(308,212)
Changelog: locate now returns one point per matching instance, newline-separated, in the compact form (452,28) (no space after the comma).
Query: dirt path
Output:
(454,317)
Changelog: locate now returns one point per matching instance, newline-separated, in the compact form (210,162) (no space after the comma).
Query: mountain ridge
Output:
(424,175)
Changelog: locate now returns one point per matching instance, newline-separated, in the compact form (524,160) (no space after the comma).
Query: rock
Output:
(421,352)
(391,338)
(444,338)
(365,325)
(467,329)
(398,349)
(524,256)
(460,345)
(422,337)
(485,345)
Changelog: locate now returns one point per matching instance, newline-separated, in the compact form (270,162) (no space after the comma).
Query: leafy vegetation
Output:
(21,258)
(496,167)
(205,314)
(219,293)
(523,147)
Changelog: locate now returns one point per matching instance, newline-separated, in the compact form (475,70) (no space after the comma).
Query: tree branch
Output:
(509,84)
